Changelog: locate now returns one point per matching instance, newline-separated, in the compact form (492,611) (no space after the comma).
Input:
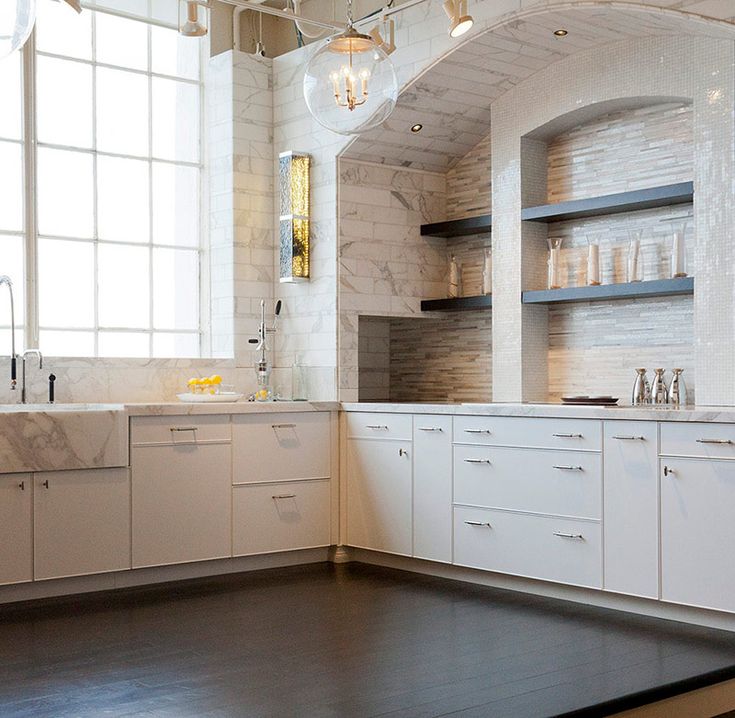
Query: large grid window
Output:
(118,171)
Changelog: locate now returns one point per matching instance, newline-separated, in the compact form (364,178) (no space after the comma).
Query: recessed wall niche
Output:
(594,347)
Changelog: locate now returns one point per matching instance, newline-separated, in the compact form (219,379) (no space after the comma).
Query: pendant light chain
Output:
(349,13)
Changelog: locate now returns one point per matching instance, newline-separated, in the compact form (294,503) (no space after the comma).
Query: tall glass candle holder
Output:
(679,253)
(554,263)
(593,262)
(635,258)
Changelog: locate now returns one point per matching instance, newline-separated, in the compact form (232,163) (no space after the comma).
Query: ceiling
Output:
(452,98)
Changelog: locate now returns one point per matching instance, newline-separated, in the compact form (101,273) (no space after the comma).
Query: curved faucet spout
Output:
(5,279)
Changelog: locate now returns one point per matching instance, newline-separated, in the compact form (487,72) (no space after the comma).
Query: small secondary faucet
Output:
(5,279)
(26,353)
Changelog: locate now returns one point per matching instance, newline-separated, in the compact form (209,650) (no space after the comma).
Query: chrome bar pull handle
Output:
(430,428)
(283,426)
(183,428)
(629,438)
(568,436)
(576,537)
(479,523)
(377,426)
(284,496)
(568,468)
(714,441)
(477,431)
(477,461)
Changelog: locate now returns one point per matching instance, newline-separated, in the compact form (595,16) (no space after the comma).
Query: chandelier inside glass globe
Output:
(16,22)
(350,85)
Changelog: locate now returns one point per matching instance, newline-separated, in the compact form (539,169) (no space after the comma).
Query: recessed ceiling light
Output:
(417,128)
(561,32)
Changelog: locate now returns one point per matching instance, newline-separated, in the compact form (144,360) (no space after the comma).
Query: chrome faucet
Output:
(28,352)
(5,279)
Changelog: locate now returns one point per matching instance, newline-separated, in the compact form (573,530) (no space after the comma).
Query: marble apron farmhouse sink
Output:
(52,437)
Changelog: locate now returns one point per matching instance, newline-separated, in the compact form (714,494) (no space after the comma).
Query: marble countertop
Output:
(722,414)
(180,408)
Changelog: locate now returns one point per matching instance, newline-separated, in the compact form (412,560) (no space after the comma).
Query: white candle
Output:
(593,264)
(678,256)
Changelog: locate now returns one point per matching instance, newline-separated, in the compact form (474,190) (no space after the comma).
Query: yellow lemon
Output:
(215,379)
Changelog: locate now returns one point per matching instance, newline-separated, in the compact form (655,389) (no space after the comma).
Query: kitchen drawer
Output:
(567,483)
(574,434)
(367,425)
(716,441)
(280,517)
(179,429)
(280,447)
(552,549)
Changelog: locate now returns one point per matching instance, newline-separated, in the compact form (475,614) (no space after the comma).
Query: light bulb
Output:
(16,23)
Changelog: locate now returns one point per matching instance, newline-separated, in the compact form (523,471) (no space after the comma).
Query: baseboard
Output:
(160,574)
(590,597)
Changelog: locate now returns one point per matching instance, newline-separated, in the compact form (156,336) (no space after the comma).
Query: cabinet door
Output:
(379,495)
(698,532)
(81,522)
(16,561)
(630,522)
(432,488)
(280,517)
(181,503)
(281,447)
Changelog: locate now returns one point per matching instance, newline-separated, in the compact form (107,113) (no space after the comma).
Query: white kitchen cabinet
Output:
(281,447)
(81,522)
(567,483)
(16,539)
(182,490)
(631,526)
(432,487)
(546,547)
(379,504)
(698,532)
(280,517)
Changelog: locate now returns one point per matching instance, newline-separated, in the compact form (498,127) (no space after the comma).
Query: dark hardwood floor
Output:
(339,642)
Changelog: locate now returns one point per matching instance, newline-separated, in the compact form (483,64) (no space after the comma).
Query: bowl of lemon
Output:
(208,389)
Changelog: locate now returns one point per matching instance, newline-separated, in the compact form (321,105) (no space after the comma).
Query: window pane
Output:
(11,251)
(173,54)
(175,205)
(175,120)
(10,91)
(62,31)
(124,344)
(122,199)
(67,344)
(175,345)
(11,187)
(175,285)
(5,347)
(123,284)
(65,193)
(64,90)
(66,283)
(122,112)
(121,42)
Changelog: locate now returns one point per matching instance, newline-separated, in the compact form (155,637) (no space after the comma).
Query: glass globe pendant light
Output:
(16,22)
(350,85)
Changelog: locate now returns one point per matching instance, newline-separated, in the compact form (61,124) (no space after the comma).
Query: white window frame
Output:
(30,144)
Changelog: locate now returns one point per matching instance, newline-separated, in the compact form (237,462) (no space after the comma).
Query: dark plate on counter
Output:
(590,400)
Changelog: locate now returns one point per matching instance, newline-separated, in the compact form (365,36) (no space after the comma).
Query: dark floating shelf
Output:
(630,290)
(663,196)
(458,227)
(460,304)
